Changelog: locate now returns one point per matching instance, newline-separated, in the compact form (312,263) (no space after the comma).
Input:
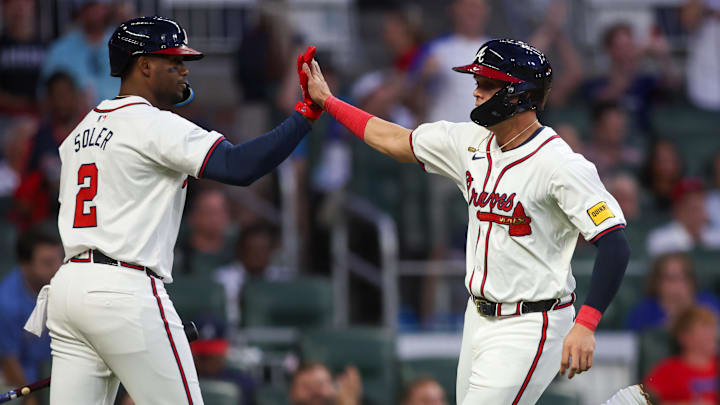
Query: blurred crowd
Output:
(616,114)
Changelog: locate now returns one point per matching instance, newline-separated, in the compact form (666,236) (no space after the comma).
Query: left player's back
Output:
(123,181)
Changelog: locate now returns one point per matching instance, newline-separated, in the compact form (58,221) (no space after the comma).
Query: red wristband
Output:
(350,116)
(588,317)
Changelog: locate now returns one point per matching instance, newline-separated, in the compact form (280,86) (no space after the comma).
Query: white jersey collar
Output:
(119,102)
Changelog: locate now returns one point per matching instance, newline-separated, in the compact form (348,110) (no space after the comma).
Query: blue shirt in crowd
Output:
(16,304)
(649,314)
(88,64)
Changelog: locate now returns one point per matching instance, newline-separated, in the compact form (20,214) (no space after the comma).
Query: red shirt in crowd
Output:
(675,380)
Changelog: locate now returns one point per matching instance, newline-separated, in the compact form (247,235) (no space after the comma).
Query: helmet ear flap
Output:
(119,60)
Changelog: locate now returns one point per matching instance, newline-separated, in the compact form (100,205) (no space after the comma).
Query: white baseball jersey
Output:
(123,181)
(526,207)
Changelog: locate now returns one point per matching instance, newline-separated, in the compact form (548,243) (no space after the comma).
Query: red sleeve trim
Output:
(605,232)
(97,110)
(412,149)
(207,156)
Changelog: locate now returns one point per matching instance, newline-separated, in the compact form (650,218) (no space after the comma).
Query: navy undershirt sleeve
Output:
(242,164)
(610,264)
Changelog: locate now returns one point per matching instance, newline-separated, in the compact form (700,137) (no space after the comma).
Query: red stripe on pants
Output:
(535,361)
(172,342)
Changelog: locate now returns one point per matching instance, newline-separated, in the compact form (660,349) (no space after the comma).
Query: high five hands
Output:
(315,88)
(307,107)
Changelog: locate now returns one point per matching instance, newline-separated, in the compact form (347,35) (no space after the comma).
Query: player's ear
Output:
(144,65)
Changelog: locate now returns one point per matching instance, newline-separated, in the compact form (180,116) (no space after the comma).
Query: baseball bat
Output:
(190,331)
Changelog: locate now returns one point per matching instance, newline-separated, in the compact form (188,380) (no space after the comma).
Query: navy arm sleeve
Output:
(610,264)
(242,164)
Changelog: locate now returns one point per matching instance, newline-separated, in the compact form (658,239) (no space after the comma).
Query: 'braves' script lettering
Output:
(494,200)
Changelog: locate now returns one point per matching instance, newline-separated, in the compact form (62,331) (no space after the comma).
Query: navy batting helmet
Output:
(147,35)
(526,71)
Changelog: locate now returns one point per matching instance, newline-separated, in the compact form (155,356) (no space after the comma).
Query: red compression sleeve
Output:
(350,116)
(589,317)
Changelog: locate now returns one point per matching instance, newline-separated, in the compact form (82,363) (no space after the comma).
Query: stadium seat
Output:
(444,370)
(197,297)
(558,398)
(271,396)
(655,345)
(371,350)
(301,303)
(688,128)
(630,292)
(576,115)
(217,392)
(707,270)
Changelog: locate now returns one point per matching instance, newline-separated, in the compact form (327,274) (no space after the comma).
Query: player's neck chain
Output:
(515,137)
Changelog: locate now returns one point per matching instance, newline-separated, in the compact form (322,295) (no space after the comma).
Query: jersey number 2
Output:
(86,194)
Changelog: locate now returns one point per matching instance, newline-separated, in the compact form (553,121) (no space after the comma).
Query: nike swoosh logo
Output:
(476,157)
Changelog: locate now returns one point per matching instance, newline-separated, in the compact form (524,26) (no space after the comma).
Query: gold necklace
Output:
(513,138)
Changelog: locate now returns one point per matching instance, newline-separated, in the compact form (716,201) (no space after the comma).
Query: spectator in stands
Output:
(712,199)
(663,168)
(552,37)
(671,289)
(424,391)
(37,195)
(210,354)
(39,254)
(254,252)
(609,148)
(447,93)
(16,143)
(626,191)
(402,37)
(689,227)
(691,377)
(208,244)
(627,82)
(312,384)
(63,103)
(83,52)
(701,18)
(391,92)
(261,59)
(21,57)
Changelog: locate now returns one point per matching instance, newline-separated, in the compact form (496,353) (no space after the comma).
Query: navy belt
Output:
(97,257)
(493,309)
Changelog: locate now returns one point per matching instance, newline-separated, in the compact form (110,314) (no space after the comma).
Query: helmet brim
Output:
(486,71)
(185,51)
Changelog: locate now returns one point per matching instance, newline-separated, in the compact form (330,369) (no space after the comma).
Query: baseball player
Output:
(125,169)
(528,197)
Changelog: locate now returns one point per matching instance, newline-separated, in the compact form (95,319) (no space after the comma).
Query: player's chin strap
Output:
(188,96)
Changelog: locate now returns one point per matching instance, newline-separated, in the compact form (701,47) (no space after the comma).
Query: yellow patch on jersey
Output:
(471,149)
(600,212)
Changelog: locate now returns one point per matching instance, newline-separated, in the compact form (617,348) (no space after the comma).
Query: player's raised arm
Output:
(244,163)
(384,136)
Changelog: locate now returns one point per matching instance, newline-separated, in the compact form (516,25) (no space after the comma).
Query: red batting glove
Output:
(307,57)
(307,107)
(312,111)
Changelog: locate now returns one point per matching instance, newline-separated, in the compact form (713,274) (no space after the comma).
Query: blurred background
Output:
(338,279)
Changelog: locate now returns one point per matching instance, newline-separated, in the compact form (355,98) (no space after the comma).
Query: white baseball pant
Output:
(112,324)
(510,360)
